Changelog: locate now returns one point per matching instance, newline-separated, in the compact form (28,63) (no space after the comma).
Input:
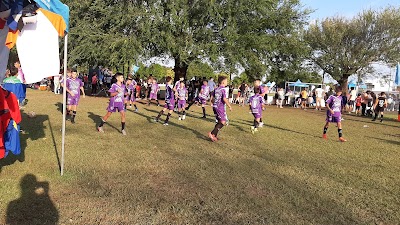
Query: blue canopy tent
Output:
(352,84)
(298,83)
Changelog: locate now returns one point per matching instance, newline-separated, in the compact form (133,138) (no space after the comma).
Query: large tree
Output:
(342,47)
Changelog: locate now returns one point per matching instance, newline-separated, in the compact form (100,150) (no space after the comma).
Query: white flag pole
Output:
(64,104)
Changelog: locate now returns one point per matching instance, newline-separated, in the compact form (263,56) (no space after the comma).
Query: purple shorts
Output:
(169,105)
(201,100)
(181,104)
(153,96)
(333,119)
(220,115)
(131,98)
(120,106)
(73,100)
(257,115)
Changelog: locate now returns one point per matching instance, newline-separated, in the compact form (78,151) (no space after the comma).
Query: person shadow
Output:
(34,206)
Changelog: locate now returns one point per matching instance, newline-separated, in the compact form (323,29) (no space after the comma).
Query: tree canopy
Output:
(342,47)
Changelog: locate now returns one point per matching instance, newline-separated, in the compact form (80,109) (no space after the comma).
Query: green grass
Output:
(285,174)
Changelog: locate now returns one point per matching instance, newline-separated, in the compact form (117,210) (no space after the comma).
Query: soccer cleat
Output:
(123,132)
(136,110)
(212,137)
(255,129)
(252,129)
(324,136)
(165,124)
(203,117)
(341,139)
(155,120)
(373,120)
(183,117)
(179,118)
(187,108)
(261,124)
(100,129)
(72,120)
(381,121)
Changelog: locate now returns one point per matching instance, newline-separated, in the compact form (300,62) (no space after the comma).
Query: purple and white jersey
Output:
(219,95)
(169,94)
(205,92)
(182,92)
(335,103)
(74,86)
(154,88)
(177,84)
(131,88)
(256,102)
(115,88)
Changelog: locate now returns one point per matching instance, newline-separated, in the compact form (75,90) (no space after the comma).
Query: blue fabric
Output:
(56,7)
(397,78)
(11,138)
(16,8)
(18,90)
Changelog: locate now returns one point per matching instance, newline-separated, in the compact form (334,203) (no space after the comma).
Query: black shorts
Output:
(303,99)
(351,103)
(357,107)
(379,109)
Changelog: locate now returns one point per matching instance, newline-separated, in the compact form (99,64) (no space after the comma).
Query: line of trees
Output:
(264,37)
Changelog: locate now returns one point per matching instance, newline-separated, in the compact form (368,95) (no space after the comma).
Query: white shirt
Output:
(353,94)
(319,92)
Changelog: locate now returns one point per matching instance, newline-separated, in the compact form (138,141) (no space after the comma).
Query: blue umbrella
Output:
(397,78)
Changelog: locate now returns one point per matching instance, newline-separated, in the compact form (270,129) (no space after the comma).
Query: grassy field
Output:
(285,174)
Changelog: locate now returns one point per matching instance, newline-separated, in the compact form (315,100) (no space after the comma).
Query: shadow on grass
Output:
(59,107)
(151,119)
(34,206)
(388,141)
(291,131)
(97,119)
(33,129)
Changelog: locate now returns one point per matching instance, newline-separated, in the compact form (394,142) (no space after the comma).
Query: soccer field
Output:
(284,174)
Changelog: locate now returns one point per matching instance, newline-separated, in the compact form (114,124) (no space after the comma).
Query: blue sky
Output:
(346,8)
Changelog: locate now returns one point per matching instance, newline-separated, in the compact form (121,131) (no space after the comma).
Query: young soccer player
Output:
(154,91)
(181,96)
(358,104)
(262,91)
(131,97)
(176,86)
(380,105)
(219,102)
(256,106)
(117,93)
(334,115)
(74,87)
(169,101)
(202,98)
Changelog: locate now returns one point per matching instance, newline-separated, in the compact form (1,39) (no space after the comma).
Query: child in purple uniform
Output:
(202,98)
(181,96)
(256,106)
(334,113)
(131,88)
(154,91)
(117,93)
(74,87)
(169,101)
(219,102)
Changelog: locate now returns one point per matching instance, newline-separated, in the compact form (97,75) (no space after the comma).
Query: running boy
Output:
(256,106)
(380,105)
(74,87)
(203,97)
(169,101)
(117,93)
(334,115)
(181,96)
(131,95)
(219,102)
(154,91)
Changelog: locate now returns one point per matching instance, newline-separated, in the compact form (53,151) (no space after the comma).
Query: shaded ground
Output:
(285,174)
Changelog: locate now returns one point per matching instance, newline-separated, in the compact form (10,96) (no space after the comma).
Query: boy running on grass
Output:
(219,102)
(256,106)
(181,96)
(74,87)
(131,88)
(203,97)
(169,101)
(334,115)
(154,91)
(380,105)
(117,93)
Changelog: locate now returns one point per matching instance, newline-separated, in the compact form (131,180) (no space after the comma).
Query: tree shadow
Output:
(389,141)
(151,119)
(34,206)
(97,119)
(291,131)
(33,129)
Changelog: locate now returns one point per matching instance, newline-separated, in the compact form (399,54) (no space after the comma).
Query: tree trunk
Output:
(343,83)
(180,70)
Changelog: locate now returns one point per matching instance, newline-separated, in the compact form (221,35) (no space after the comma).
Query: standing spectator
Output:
(304,98)
(211,85)
(281,97)
(56,80)
(319,93)
(364,98)
(86,80)
(352,98)
(21,75)
(94,83)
